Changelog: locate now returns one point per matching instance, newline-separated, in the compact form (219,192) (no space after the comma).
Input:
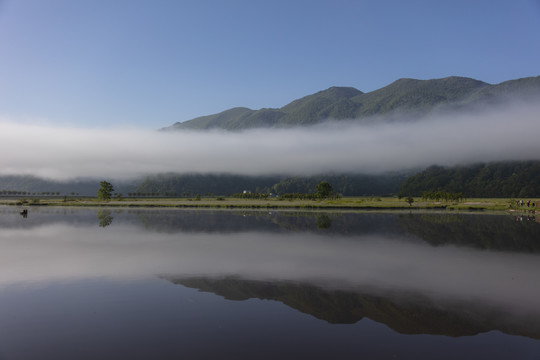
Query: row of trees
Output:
(106,192)
(297,196)
(30,193)
(323,191)
(348,185)
(248,195)
(442,195)
(190,184)
(155,194)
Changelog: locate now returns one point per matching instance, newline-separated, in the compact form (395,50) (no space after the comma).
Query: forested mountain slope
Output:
(401,100)
(505,179)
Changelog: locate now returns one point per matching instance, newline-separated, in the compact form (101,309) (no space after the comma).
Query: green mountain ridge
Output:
(403,99)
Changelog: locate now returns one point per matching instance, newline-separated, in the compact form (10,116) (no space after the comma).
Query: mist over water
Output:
(64,153)
(158,281)
(68,253)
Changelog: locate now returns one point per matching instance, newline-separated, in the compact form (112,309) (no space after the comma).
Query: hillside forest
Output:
(502,179)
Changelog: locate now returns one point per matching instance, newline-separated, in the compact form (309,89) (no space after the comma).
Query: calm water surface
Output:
(169,284)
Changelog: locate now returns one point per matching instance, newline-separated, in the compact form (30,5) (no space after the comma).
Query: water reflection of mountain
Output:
(228,221)
(482,231)
(404,313)
(207,221)
(491,232)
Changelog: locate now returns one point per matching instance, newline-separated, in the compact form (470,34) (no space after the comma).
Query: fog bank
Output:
(64,153)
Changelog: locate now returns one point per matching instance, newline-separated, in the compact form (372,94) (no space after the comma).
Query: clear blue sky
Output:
(148,64)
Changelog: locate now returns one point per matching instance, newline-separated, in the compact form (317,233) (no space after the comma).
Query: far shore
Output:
(345,203)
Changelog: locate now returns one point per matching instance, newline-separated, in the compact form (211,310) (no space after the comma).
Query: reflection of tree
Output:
(323,221)
(104,217)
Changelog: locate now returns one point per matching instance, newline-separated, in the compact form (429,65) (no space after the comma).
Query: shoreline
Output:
(346,203)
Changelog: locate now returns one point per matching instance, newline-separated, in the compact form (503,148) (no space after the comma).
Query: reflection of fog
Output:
(55,252)
(482,231)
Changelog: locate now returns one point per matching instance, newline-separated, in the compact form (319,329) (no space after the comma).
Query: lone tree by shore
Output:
(324,189)
(105,191)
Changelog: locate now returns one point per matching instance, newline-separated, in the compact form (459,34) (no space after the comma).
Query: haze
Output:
(64,153)
(123,252)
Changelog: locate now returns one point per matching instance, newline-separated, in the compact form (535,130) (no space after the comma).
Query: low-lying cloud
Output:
(341,146)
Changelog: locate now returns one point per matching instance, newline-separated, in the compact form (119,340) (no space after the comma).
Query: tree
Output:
(105,191)
(324,189)
(410,200)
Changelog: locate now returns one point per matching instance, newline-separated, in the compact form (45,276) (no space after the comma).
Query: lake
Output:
(84,283)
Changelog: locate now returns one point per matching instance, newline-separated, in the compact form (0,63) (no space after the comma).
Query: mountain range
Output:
(402,99)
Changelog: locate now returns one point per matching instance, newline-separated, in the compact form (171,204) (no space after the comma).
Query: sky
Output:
(148,64)
(85,85)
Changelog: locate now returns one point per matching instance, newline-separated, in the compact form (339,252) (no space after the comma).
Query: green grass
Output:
(382,203)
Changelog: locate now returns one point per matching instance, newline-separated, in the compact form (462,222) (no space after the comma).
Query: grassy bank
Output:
(366,203)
